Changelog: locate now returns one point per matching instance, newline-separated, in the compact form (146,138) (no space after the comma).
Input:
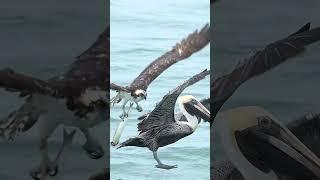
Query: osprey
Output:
(76,98)
(137,90)
(161,127)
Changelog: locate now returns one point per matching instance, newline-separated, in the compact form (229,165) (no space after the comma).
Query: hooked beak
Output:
(198,110)
(289,144)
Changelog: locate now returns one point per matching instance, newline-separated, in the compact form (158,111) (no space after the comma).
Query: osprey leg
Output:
(138,107)
(46,166)
(124,113)
(67,140)
(92,147)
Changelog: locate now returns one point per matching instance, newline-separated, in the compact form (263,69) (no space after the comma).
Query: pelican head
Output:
(193,107)
(139,94)
(258,144)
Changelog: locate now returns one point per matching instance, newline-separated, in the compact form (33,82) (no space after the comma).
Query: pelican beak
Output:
(197,109)
(282,139)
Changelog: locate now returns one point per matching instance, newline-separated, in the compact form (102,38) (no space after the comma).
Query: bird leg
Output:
(160,164)
(46,167)
(92,147)
(138,107)
(67,140)
(125,114)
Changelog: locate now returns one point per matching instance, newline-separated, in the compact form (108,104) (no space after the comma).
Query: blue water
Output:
(243,27)
(141,31)
(41,38)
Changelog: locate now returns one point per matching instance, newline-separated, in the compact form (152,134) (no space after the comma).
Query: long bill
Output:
(289,144)
(199,110)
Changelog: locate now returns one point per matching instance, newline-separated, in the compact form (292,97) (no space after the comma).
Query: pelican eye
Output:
(193,101)
(264,121)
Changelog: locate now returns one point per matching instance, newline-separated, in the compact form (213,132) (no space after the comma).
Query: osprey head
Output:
(139,94)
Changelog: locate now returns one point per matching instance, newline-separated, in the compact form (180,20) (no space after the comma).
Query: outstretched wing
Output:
(163,113)
(100,47)
(91,68)
(118,88)
(262,61)
(88,71)
(16,82)
(193,43)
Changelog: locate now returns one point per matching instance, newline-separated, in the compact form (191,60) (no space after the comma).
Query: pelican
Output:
(261,147)
(136,91)
(77,98)
(305,128)
(263,60)
(161,128)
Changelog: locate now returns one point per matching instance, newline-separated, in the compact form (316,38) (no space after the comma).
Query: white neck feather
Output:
(233,153)
(192,121)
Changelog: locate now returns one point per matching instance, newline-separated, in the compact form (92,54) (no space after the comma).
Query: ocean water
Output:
(41,38)
(242,27)
(140,32)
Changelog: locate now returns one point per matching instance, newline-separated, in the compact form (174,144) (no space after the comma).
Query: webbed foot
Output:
(164,166)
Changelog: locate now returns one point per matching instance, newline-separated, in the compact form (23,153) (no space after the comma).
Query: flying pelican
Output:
(137,89)
(260,147)
(305,128)
(76,98)
(161,128)
(263,60)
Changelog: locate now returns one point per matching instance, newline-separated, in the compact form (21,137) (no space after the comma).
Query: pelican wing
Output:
(193,43)
(262,61)
(307,129)
(224,170)
(163,113)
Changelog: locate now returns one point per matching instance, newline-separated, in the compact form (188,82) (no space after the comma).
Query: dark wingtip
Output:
(304,28)
(308,25)
(8,70)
